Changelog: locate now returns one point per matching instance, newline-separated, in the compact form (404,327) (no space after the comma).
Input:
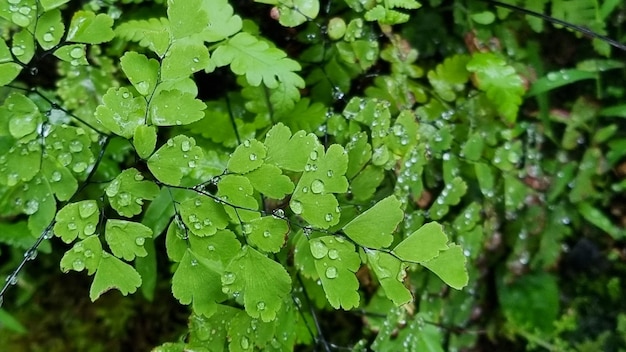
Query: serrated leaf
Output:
(297,12)
(127,192)
(114,273)
(237,191)
(262,282)
(247,157)
(50,29)
(153,33)
(374,227)
(222,247)
(450,77)
(336,262)
(142,72)
(173,107)
(177,158)
(280,143)
(222,22)
(77,220)
(259,62)
(121,113)
(504,87)
(390,271)
(197,282)
(144,140)
(126,238)
(87,27)
(182,24)
(203,215)
(267,233)
(269,180)
(85,254)
(422,245)
(449,265)
(184,57)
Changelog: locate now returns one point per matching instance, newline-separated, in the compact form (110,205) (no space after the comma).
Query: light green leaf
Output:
(450,195)
(114,273)
(263,282)
(184,57)
(556,79)
(599,219)
(296,12)
(87,27)
(75,54)
(60,179)
(197,282)
(176,240)
(20,164)
(280,143)
(142,72)
(320,210)
(52,4)
(126,238)
(173,107)
(422,245)
(71,147)
(336,262)
(484,18)
(127,192)
(177,158)
(203,215)
(153,33)
(23,45)
(450,266)
(8,72)
(222,22)
(77,220)
(22,115)
(237,191)
(121,113)
(375,226)
(222,247)
(366,182)
(269,180)
(50,29)
(267,233)
(390,271)
(144,140)
(85,254)
(247,157)
(182,24)
(450,76)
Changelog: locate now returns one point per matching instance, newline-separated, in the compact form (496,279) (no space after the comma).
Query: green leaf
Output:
(114,273)
(374,228)
(153,33)
(182,24)
(177,158)
(128,191)
(222,247)
(336,262)
(484,18)
(450,266)
(142,72)
(269,180)
(422,245)
(173,107)
(262,282)
(184,57)
(296,12)
(503,85)
(121,113)
(247,157)
(451,195)
(222,22)
(75,54)
(22,114)
(203,215)
(268,233)
(236,191)
(87,27)
(23,45)
(20,164)
(280,143)
(126,238)
(450,77)
(249,56)
(52,4)
(197,282)
(390,271)
(599,219)
(144,140)
(8,72)
(77,220)
(85,254)
(50,29)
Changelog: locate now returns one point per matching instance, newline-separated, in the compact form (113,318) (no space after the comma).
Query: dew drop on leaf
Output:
(331,272)
(76,53)
(89,230)
(296,207)
(31,207)
(333,254)
(313,155)
(228,278)
(12,179)
(140,241)
(11,279)
(245,343)
(266,234)
(260,305)
(48,37)
(56,176)
(65,159)
(252,157)
(87,209)
(71,226)
(329,217)
(185,146)
(78,265)
(88,253)
(317,186)
(318,249)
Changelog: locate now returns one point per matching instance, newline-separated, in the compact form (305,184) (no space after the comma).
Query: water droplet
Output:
(252,157)
(331,272)
(246,228)
(89,230)
(185,146)
(313,155)
(30,254)
(228,278)
(196,60)
(329,217)
(296,207)
(140,241)
(318,249)
(11,279)
(246,143)
(333,254)
(79,167)
(143,87)
(124,199)
(88,253)
(65,158)
(194,262)
(14,2)
(56,176)
(260,305)
(87,209)
(48,37)
(31,207)
(77,53)
(12,179)
(317,186)
(329,173)
(191,163)
(71,226)
(245,343)
(22,21)
(78,265)
(125,95)
(267,233)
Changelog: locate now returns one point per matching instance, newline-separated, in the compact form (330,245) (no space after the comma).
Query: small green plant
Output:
(344,163)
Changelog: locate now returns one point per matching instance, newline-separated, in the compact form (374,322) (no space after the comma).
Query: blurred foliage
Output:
(311,131)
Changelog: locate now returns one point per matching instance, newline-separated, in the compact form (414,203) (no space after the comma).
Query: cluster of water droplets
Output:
(321,251)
